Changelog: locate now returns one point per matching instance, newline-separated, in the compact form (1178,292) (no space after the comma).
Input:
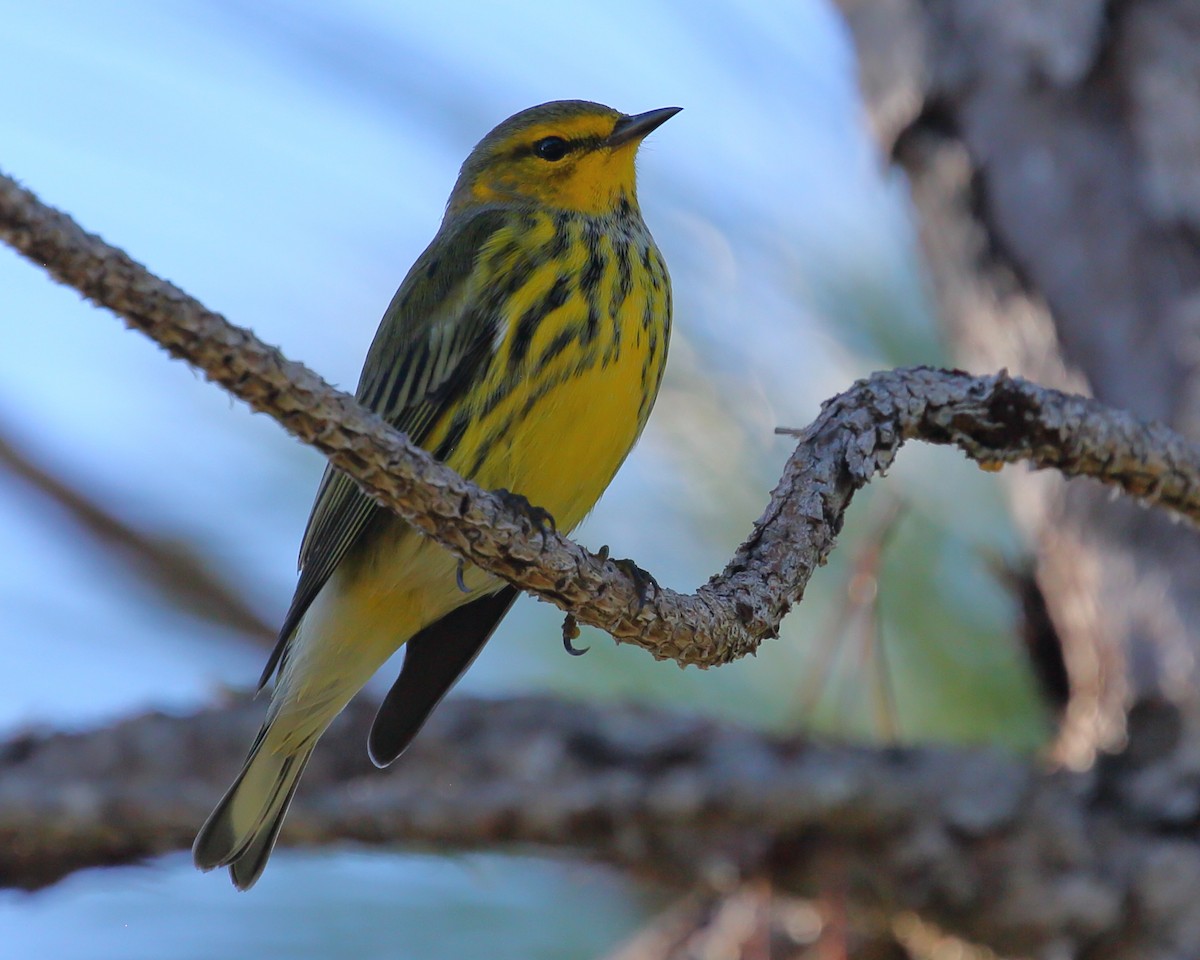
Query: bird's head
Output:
(570,154)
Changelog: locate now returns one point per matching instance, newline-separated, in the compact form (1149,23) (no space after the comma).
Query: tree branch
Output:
(1058,212)
(1029,863)
(992,419)
(166,565)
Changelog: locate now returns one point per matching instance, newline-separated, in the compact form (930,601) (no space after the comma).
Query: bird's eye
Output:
(551,148)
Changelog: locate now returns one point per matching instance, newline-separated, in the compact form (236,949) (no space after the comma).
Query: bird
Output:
(525,349)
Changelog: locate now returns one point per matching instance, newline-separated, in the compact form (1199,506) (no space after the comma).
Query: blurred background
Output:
(285,163)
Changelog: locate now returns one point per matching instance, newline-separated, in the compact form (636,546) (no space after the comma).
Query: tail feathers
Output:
(241,832)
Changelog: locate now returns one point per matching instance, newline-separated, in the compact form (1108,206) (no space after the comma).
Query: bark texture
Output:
(1050,864)
(992,419)
(1054,154)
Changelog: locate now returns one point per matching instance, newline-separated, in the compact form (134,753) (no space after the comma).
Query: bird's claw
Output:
(539,517)
(570,631)
(643,580)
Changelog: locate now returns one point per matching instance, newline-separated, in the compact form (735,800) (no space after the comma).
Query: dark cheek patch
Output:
(557,173)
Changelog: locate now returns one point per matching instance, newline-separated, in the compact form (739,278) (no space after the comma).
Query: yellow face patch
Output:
(566,164)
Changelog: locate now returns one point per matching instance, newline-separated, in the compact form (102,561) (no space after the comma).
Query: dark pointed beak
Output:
(629,129)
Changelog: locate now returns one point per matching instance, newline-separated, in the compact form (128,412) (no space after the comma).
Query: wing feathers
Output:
(433,661)
(429,348)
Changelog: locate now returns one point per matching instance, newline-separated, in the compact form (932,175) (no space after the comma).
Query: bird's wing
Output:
(434,659)
(436,334)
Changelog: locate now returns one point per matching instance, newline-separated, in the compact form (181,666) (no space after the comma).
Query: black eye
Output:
(551,148)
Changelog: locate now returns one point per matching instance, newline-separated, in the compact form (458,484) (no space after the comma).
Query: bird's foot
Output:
(570,631)
(643,579)
(539,518)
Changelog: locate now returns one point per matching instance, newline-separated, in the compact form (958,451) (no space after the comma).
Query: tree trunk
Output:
(1053,149)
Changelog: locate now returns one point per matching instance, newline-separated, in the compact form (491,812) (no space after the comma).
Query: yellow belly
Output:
(569,416)
(563,455)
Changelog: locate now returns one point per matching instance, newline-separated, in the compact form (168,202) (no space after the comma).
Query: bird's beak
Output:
(632,129)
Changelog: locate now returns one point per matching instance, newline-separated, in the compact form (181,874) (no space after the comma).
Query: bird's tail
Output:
(241,831)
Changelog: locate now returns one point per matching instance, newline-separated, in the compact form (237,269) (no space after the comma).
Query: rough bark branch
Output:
(993,419)
(1048,864)
(1053,156)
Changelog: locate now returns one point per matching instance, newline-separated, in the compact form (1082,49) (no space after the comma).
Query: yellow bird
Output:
(525,349)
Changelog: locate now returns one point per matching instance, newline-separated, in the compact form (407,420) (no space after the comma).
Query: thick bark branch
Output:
(993,419)
(1029,863)
(1051,149)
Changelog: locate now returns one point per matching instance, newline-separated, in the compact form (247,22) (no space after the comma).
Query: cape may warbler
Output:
(525,349)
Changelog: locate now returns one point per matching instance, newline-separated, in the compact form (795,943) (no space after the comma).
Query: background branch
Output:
(976,842)
(168,566)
